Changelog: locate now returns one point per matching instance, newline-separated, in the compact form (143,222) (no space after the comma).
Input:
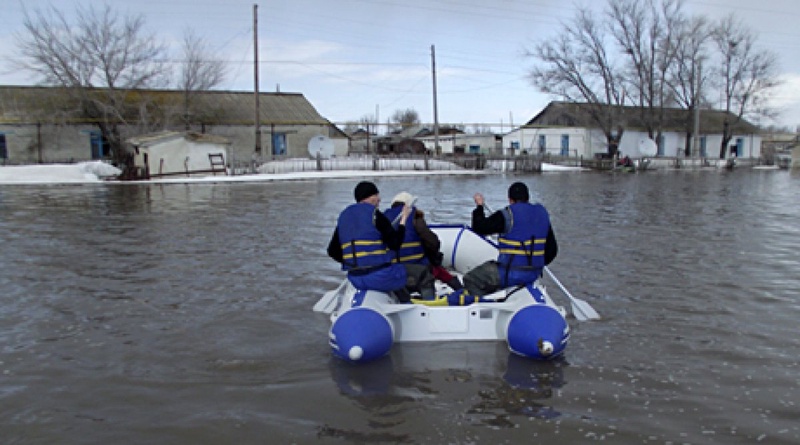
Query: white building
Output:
(565,129)
(172,153)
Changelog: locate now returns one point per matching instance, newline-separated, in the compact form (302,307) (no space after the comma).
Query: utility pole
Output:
(257,117)
(435,111)
(695,133)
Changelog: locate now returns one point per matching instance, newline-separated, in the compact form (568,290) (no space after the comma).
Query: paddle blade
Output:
(580,309)
(330,300)
(583,311)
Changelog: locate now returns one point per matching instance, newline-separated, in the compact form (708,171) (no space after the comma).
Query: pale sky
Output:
(352,58)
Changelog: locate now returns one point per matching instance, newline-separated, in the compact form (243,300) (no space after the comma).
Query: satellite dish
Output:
(320,146)
(647,147)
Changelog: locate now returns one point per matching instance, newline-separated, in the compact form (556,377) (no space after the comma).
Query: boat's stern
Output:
(538,331)
(361,332)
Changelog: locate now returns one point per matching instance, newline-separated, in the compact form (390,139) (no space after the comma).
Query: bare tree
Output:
(367,122)
(404,119)
(645,32)
(745,75)
(577,66)
(685,76)
(201,70)
(98,59)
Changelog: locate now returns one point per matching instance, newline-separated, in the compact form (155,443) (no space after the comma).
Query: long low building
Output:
(46,124)
(567,129)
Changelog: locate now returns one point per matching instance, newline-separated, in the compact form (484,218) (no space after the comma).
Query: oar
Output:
(400,215)
(580,309)
(330,299)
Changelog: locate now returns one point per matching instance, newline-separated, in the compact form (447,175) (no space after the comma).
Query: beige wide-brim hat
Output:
(404,197)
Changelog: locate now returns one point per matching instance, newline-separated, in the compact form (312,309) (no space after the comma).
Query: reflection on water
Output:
(416,372)
(182,314)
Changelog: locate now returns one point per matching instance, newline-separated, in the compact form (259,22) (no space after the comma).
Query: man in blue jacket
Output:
(526,243)
(365,243)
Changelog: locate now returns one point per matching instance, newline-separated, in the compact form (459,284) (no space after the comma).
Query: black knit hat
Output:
(518,192)
(364,190)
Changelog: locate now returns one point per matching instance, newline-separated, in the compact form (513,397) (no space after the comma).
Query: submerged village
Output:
(659,106)
(292,136)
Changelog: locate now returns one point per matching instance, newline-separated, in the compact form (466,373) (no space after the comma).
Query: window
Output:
(99,145)
(660,145)
(474,148)
(542,143)
(3,146)
(564,145)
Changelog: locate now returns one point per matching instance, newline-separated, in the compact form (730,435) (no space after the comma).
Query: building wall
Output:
(471,143)
(29,143)
(296,138)
(527,140)
(178,156)
(66,143)
(674,145)
(586,143)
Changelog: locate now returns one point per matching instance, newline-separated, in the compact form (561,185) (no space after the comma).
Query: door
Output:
(278,143)
(738,149)
(703,149)
(3,147)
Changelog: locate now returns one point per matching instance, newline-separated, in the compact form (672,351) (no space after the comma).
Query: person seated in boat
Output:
(420,250)
(364,242)
(625,161)
(526,243)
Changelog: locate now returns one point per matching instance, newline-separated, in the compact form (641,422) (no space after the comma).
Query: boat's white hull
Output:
(366,323)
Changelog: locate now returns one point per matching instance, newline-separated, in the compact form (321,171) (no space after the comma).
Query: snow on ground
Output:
(81,172)
(98,171)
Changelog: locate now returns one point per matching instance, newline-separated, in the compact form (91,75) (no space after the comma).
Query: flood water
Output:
(181,314)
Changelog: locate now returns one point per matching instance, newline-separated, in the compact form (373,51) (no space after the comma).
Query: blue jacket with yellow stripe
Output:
(411,251)
(522,245)
(361,242)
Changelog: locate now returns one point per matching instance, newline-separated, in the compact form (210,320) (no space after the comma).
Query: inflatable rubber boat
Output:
(365,324)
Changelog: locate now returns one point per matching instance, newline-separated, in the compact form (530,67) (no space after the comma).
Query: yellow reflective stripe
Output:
(521,252)
(373,243)
(517,243)
(411,257)
(412,244)
(362,243)
(363,254)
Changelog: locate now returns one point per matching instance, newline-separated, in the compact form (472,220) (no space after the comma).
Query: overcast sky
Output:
(352,58)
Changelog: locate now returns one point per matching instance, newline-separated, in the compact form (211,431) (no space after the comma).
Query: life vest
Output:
(362,246)
(521,246)
(411,250)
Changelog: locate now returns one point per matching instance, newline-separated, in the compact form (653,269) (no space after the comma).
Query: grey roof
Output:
(227,107)
(573,114)
(26,104)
